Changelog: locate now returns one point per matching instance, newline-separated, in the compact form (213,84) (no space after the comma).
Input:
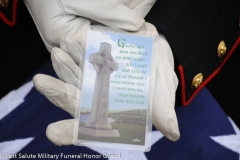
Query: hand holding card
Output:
(162,89)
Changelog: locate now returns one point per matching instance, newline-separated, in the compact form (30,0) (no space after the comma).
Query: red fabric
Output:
(14,15)
(182,80)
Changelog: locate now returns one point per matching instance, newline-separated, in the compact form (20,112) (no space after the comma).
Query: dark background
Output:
(23,52)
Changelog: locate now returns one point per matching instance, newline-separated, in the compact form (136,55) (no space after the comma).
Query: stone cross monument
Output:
(104,64)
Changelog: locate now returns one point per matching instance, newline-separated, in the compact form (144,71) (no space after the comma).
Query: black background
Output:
(23,52)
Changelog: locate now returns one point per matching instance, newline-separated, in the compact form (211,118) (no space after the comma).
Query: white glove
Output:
(66,95)
(57,18)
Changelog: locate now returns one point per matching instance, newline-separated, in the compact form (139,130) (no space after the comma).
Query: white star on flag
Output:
(7,104)
(13,147)
(13,99)
(231,141)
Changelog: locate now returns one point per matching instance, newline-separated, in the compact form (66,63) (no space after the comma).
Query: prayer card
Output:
(114,110)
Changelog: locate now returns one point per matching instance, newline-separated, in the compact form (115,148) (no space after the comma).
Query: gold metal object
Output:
(4,3)
(222,49)
(197,81)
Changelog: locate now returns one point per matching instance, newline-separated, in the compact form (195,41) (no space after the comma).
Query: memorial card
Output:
(114,109)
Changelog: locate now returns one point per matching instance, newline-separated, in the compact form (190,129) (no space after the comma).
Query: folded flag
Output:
(206,131)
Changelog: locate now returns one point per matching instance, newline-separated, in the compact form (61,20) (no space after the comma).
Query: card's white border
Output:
(148,133)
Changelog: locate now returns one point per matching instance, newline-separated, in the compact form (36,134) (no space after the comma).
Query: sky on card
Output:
(119,43)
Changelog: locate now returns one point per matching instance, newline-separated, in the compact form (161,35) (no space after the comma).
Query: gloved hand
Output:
(58,18)
(66,95)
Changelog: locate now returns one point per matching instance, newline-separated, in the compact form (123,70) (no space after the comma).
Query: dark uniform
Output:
(202,35)
(21,47)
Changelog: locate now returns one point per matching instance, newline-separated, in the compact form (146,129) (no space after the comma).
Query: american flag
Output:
(206,131)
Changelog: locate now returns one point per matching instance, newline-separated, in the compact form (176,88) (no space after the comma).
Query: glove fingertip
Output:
(58,55)
(61,132)
(175,134)
(169,129)
(136,25)
(38,83)
(52,137)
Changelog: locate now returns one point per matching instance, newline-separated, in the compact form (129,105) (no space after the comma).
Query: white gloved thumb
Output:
(163,88)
